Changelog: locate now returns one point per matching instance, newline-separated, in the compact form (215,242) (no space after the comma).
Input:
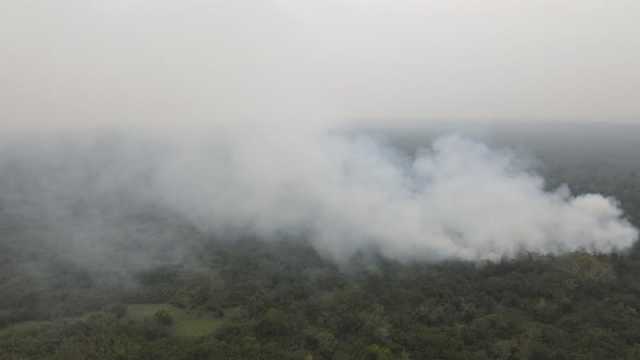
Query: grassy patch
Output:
(24,328)
(184,323)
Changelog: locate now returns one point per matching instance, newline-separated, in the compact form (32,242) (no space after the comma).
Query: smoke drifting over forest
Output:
(235,118)
(453,199)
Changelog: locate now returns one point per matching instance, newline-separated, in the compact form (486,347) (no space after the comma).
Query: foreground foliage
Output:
(281,300)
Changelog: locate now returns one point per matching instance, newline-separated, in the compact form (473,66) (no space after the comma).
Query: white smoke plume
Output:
(455,199)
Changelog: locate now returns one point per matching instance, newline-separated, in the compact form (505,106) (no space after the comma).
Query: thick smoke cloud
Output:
(453,199)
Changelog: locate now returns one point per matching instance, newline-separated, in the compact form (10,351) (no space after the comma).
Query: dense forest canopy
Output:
(152,284)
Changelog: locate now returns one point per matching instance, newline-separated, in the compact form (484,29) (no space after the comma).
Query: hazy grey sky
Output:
(165,62)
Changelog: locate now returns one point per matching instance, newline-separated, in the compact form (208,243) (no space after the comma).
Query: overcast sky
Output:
(72,62)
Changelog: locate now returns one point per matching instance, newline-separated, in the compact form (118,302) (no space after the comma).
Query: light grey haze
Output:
(88,62)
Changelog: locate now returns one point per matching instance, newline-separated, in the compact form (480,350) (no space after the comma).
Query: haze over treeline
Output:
(449,198)
(239,118)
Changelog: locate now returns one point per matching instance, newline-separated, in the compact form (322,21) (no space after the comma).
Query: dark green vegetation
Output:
(255,300)
(250,299)
(281,301)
